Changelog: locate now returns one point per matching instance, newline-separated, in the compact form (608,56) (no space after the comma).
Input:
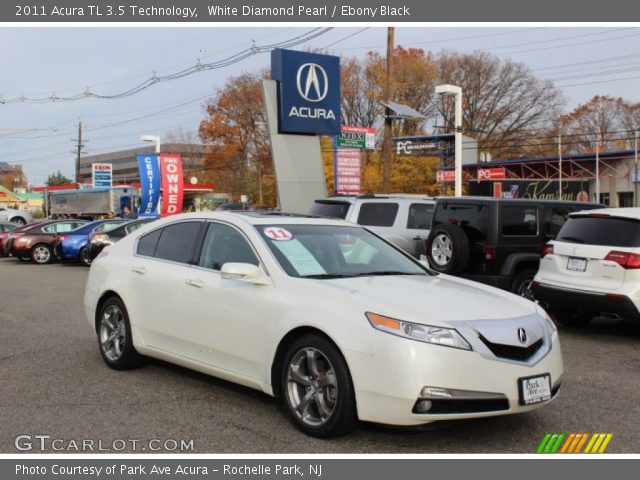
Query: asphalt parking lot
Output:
(54,382)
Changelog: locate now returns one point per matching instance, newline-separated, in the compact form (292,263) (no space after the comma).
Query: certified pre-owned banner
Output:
(172,186)
(149,183)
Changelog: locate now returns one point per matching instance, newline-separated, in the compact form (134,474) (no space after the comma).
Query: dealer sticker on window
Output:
(535,389)
(278,233)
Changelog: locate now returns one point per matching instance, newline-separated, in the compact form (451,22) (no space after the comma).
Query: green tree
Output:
(57,178)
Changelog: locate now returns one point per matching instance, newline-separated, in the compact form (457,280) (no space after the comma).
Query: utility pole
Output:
(560,162)
(78,151)
(635,176)
(388,121)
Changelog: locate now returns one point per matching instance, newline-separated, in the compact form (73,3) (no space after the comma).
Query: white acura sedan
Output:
(338,322)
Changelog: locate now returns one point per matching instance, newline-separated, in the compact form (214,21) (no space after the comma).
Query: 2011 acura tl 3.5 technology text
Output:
(338,322)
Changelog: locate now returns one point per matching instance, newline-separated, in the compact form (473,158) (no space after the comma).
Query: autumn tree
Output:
(57,178)
(504,105)
(235,130)
(615,118)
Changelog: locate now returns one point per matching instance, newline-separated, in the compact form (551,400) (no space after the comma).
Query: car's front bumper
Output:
(560,299)
(389,383)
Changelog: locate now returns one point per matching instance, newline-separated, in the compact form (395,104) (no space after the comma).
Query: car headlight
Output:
(447,337)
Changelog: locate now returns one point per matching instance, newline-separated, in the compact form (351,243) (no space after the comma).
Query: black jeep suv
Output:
(493,240)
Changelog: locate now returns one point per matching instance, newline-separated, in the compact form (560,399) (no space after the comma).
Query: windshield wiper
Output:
(572,239)
(324,276)
(381,273)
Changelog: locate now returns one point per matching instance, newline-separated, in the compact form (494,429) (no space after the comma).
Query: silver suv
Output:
(21,217)
(403,221)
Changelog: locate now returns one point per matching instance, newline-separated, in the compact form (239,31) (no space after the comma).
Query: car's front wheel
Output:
(317,388)
(18,221)
(114,336)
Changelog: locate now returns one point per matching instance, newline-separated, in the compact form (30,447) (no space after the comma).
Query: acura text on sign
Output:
(172,186)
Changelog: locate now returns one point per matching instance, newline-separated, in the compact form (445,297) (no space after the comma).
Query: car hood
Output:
(430,299)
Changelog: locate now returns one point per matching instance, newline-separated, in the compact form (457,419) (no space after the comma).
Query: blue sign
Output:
(308,92)
(149,184)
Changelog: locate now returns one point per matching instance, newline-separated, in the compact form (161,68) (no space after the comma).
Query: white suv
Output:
(592,267)
(404,221)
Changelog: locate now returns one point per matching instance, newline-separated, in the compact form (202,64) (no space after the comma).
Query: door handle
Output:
(139,269)
(194,283)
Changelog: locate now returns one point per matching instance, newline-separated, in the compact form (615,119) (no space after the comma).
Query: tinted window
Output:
(330,209)
(106,226)
(615,232)
(420,216)
(176,241)
(378,214)
(147,244)
(223,244)
(472,218)
(519,221)
(60,227)
(134,226)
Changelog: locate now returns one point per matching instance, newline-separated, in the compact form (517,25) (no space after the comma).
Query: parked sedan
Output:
(73,246)
(339,323)
(37,241)
(21,217)
(99,240)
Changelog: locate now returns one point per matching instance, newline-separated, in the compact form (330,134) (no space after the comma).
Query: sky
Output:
(42,62)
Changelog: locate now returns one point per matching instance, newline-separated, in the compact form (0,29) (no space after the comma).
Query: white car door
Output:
(227,322)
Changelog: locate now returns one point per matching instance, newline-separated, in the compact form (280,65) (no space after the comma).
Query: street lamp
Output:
(152,138)
(457,91)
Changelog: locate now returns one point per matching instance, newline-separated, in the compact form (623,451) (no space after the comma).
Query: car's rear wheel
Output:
(18,221)
(114,336)
(522,283)
(41,254)
(85,258)
(448,248)
(317,388)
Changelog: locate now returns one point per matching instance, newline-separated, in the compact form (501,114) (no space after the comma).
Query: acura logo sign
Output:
(312,82)
(522,335)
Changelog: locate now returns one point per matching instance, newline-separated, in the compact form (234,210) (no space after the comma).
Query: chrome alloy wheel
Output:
(112,333)
(312,389)
(441,249)
(41,254)
(525,289)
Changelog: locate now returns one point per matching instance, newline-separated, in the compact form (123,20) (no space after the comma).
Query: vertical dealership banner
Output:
(172,184)
(347,169)
(149,184)
(101,174)
(308,92)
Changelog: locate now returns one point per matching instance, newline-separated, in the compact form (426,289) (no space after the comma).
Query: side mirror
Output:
(245,272)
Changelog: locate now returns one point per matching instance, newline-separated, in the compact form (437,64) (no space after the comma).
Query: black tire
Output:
(522,281)
(572,319)
(114,336)
(41,254)
(18,221)
(448,248)
(315,374)
(84,257)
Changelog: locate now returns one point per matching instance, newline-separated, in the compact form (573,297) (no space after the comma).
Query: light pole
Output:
(635,196)
(457,91)
(152,138)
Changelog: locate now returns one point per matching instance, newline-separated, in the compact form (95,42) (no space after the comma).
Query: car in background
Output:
(592,267)
(341,324)
(72,246)
(38,241)
(98,240)
(21,217)
(496,241)
(405,221)
(5,236)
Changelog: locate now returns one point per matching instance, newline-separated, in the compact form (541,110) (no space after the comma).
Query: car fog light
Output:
(428,392)
(423,406)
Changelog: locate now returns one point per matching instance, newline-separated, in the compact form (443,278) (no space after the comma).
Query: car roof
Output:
(632,213)
(260,218)
(515,201)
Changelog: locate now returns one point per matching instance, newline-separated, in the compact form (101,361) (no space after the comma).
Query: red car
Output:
(4,237)
(37,242)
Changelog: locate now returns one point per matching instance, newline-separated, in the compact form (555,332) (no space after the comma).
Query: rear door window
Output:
(605,231)
(519,221)
(376,214)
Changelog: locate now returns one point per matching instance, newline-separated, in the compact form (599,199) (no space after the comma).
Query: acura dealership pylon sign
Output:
(308,92)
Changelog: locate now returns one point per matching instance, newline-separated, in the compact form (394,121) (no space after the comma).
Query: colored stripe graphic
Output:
(556,442)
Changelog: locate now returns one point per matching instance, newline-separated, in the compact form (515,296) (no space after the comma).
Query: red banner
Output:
(446,176)
(172,184)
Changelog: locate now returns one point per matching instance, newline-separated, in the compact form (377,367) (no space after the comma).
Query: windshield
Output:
(325,251)
(330,209)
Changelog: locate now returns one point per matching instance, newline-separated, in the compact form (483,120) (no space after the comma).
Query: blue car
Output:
(72,246)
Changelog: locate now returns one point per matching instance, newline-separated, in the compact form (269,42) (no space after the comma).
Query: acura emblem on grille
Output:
(522,335)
